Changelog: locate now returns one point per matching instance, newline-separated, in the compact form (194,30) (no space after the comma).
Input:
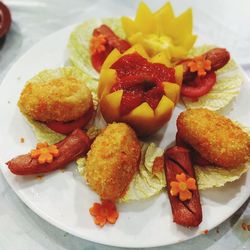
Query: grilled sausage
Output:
(186,213)
(74,145)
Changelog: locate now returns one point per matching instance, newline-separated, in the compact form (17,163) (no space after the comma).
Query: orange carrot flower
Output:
(182,187)
(104,212)
(199,64)
(97,44)
(44,153)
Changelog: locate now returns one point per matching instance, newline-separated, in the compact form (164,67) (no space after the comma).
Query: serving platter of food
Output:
(122,131)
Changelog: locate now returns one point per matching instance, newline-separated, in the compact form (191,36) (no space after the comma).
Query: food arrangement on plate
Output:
(132,74)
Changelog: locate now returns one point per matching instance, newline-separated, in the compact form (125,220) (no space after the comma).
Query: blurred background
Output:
(222,22)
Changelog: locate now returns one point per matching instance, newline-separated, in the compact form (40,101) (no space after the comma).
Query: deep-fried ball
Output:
(62,99)
(112,161)
(215,137)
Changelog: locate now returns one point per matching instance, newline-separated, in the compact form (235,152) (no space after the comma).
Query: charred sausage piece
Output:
(74,145)
(195,155)
(219,57)
(187,213)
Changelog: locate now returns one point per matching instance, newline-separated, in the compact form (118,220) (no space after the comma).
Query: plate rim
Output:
(59,225)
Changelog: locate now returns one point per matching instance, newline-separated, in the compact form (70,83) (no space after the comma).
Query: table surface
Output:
(223,22)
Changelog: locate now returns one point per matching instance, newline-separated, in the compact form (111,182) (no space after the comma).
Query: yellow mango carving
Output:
(142,118)
(161,31)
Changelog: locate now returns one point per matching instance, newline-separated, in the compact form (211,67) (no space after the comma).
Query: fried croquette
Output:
(215,137)
(62,99)
(112,161)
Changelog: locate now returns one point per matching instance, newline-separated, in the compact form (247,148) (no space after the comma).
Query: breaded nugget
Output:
(215,137)
(62,99)
(112,161)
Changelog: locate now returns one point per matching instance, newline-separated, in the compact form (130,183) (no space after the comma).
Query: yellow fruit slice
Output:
(145,21)
(107,80)
(110,106)
(172,91)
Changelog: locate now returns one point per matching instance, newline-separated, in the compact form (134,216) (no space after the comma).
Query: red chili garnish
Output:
(141,81)
(5,19)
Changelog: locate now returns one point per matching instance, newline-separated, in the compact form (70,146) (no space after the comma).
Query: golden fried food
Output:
(215,137)
(112,161)
(62,99)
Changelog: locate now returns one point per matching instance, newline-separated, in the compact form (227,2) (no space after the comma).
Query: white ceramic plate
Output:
(63,199)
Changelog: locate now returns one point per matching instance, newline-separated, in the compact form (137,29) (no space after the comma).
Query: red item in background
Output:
(5,19)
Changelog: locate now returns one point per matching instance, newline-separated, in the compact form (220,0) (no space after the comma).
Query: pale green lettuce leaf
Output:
(78,44)
(226,88)
(146,184)
(43,133)
(213,176)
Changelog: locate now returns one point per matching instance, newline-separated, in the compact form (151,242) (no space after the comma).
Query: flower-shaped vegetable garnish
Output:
(182,187)
(104,212)
(138,90)
(200,65)
(44,153)
(97,44)
(161,31)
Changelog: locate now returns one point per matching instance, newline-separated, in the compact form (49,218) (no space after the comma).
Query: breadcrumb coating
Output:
(112,161)
(215,137)
(62,99)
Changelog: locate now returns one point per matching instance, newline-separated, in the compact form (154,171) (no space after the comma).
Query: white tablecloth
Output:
(225,23)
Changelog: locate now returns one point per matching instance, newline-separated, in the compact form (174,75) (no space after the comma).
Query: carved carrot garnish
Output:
(44,153)
(104,213)
(97,44)
(182,187)
(200,65)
